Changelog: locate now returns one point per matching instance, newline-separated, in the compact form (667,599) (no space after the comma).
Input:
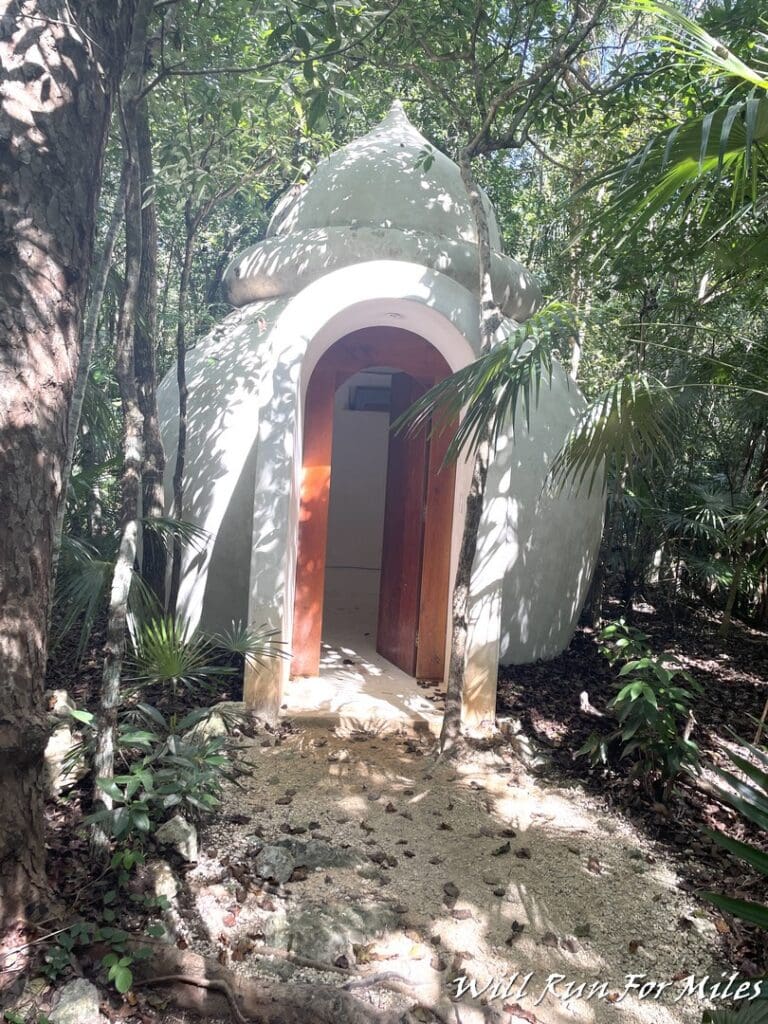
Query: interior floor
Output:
(359,690)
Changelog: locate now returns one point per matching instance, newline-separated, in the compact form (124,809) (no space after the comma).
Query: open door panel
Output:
(403,540)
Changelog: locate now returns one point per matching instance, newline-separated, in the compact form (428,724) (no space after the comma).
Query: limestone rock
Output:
(327,932)
(181,835)
(226,717)
(314,853)
(163,879)
(77,1003)
(61,771)
(275,863)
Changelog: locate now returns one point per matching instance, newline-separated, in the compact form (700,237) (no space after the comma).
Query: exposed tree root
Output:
(202,985)
(211,984)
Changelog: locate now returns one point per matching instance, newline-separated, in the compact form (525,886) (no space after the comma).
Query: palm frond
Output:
(168,528)
(663,178)
(170,652)
(497,387)
(631,421)
(255,644)
(83,581)
(690,39)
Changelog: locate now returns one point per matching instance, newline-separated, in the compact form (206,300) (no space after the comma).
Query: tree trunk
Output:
(153,497)
(54,114)
(133,427)
(490,321)
(90,328)
(733,593)
(181,378)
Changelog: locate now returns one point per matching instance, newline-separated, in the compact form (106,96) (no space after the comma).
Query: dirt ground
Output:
(480,870)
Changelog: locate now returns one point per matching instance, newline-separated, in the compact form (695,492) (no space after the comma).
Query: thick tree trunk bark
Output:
(54,113)
(181,379)
(133,426)
(153,497)
(490,321)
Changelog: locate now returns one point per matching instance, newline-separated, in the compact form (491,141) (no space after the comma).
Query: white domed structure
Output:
(324,524)
(371,200)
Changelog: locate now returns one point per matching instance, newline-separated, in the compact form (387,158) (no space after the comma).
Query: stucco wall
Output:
(553,535)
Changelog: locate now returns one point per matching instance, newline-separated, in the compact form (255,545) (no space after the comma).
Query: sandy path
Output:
(548,882)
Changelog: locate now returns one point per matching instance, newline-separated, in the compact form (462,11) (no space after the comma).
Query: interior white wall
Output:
(355,513)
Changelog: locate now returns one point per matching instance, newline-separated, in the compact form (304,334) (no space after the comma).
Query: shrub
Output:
(654,709)
(171,767)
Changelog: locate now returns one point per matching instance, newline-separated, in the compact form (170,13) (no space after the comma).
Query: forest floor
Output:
(733,672)
(493,867)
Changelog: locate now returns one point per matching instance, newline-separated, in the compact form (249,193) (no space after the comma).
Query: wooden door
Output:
(436,558)
(403,540)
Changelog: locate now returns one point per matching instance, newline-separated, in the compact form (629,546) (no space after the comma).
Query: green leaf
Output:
(317,109)
(752,913)
(110,787)
(82,716)
(751,854)
(123,979)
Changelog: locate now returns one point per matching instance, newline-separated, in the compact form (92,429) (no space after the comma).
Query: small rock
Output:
(523,853)
(501,850)
(77,1003)
(451,890)
(549,939)
(703,926)
(181,835)
(275,863)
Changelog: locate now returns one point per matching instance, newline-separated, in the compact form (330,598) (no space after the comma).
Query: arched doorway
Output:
(418,507)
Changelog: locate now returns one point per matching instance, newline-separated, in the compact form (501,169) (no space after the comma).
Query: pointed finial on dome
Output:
(396,118)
